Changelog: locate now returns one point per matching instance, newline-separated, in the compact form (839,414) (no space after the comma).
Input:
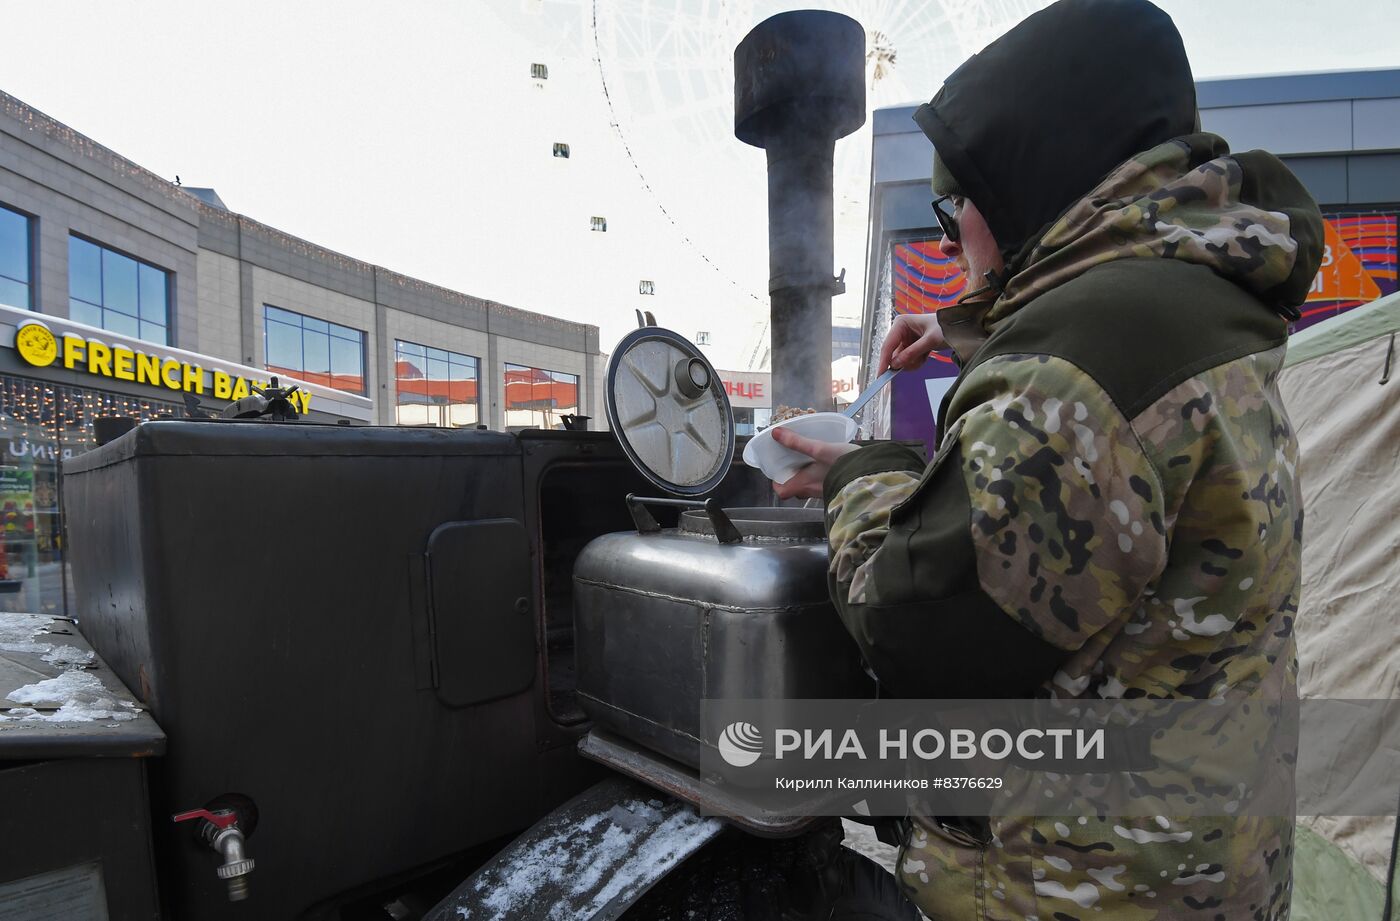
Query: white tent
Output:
(1341,385)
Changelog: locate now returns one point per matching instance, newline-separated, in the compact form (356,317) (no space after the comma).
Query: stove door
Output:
(484,635)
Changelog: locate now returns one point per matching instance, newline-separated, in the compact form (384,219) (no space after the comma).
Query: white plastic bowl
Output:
(779,463)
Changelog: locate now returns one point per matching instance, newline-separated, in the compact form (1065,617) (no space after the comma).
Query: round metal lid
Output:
(668,409)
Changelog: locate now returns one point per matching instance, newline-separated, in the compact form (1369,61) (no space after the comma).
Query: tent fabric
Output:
(1348,624)
(1328,885)
(1348,427)
(1361,324)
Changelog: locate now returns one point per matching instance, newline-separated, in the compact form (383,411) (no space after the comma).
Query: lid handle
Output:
(647,524)
(692,377)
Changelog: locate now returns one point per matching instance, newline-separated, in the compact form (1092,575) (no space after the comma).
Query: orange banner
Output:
(1342,276)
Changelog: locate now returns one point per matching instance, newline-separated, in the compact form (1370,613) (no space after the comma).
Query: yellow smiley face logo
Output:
(36,344)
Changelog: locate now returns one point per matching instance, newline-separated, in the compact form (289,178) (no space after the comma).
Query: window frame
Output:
(31,243)
(476,370)
(554,377)
(103,309)
(329,333)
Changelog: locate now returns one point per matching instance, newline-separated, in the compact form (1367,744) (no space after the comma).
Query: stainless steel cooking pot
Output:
(732,604)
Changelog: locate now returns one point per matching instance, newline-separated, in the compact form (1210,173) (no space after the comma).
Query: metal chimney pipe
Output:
(799,84)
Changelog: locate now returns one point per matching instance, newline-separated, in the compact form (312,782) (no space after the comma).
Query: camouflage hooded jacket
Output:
(1112,513)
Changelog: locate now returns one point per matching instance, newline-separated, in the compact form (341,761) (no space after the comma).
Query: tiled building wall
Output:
(226,267)
(72,185)
(220,328)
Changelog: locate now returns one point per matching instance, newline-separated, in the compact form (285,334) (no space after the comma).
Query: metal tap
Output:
(220,831)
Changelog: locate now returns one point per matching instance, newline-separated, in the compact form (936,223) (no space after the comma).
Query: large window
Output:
(535,398)
(313,350)
(16,259)
(43,425)
(117,292)
(435,387)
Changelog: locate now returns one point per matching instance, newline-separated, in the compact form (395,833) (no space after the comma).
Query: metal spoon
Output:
(875,387)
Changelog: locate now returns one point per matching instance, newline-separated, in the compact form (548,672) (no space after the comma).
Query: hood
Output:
(1042,114)
(1245,216)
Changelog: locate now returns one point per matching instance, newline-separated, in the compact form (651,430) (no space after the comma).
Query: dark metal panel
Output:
(897,119)
(419,607)
(1270,90)
(240,437)
(906,207)
(902,157)
(1375,124)
(1373,178)
(1293,127)
(1324,177)
(254,577)
(64,814)
(1230,92)
(484,635)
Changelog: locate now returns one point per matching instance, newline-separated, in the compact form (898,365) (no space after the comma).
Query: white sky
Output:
(411,136)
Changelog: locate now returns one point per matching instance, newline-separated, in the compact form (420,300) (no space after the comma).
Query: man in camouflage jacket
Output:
(1112,511)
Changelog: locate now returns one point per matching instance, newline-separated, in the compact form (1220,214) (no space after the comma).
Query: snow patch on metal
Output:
(74,697)
(21,632)
(18,632)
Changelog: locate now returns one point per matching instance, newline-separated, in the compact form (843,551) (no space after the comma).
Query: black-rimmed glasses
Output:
(946,210)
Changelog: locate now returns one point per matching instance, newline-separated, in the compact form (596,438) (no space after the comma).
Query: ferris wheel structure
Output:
(666,69)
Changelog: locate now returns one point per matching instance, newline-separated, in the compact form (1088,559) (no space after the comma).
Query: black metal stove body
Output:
(366,631)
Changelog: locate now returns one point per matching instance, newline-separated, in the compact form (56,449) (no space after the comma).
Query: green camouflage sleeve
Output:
(862,489)
(1066,509)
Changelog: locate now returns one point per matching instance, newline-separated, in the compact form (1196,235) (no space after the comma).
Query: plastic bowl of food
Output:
(779,463)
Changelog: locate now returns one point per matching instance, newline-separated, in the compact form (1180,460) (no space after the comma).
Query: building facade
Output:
(122,294)
(1338,132)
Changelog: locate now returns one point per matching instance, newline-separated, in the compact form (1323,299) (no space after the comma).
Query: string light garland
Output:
(627,148)
(29,403)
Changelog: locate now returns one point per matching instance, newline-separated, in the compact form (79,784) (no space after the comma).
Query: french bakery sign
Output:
(38,346)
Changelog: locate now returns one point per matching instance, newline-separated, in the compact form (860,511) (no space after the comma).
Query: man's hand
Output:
(807,482)
(910,339)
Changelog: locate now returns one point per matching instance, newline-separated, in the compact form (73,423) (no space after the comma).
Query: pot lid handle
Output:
(647,524)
